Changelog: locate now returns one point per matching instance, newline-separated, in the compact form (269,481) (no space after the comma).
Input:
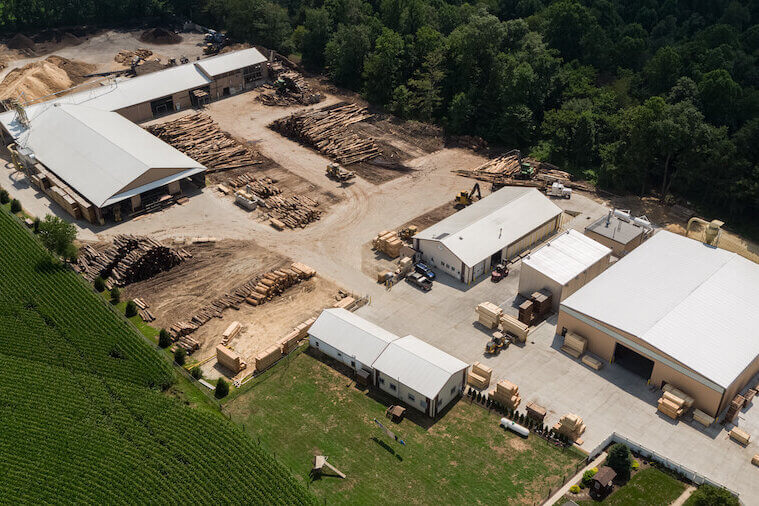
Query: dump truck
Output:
(337,172)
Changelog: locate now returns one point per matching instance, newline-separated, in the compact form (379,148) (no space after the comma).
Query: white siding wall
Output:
(532,280)
(336,354)
(449,392)
(437,256)
(402,392)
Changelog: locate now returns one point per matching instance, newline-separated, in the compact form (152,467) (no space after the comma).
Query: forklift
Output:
(500,272)
(496,343)
(464,198)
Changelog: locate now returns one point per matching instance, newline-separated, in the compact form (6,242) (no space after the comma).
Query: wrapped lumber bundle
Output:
(574,344)
(326,130)
(702,418)
(201,138)
(513,326)
(267,357)
(687,399)
(230,359)
(489,314)
(740,436)
(507,394)
(571,426)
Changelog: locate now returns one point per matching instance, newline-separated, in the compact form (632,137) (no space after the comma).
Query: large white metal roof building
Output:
(503,224)
(106,157)
(689,308)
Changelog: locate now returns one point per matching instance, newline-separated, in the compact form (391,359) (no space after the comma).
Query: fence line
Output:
(641,450)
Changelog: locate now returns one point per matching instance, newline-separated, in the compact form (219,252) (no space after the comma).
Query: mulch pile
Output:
(160,36)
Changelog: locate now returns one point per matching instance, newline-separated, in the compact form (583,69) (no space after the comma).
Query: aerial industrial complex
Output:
(538,307)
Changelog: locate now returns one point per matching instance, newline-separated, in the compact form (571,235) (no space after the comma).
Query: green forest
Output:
(641,96)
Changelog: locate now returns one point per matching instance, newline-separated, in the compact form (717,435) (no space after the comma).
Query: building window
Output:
(411,397)
(382,381)
(423,403)
(392,387)
(353,364)
(316,344)
(339,354)
(453,390)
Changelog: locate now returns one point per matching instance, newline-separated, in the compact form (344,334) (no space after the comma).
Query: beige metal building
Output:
(674,311)
(496,228)
(563,266)
(619,231)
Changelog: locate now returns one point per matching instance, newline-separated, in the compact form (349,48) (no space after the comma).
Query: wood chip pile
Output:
(257,291)
(505,170)
(129,259)
(326,130)
(201,138)
(292,210)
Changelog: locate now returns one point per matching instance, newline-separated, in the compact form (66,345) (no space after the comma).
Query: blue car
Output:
(425,271)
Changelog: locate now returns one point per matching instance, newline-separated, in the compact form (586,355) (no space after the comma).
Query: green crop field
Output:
(302,407)
(82,418)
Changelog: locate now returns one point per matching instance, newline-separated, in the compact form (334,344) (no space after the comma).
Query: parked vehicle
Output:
(424,270)
(420,281)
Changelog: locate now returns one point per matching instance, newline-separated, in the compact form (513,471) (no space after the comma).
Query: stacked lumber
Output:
(755,460)
(230,332)
(536,411)
(130,258)
(230,359)
(735,406)
(592,362)
(740,435)
(479,376)
(326,130)
(388,242)
(687,399)
(256,291)
(488,314)
(506,393)
(574,344)
(290,341)
(505,170)
(571,426)
(702,418)
(515,327)
(267,357)
(671,405)
(542,300)
(526,312)
(201,138)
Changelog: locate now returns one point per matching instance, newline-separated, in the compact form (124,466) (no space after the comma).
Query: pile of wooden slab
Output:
(230,359)
(479,376)
(506,393)
(488,314)
(129,259)
(574,344)
(231,332)
(255,292)
(514,327)
(201,138)
(505,170)
(326,130)
(388,242)
(570,425)
(536,411)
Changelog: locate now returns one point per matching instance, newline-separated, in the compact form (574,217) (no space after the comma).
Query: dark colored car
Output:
(420,281)
(425,271)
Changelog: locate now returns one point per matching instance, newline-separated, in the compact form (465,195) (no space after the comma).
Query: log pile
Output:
(201,138)
(326,130)
(129,259)
(505,170)
(256,291)
(292,211)
(290,89)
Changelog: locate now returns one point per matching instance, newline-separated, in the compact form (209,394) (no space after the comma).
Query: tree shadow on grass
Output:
(49,265)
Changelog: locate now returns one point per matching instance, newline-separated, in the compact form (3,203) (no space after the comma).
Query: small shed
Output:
(563,266)
(601,484)
(618,232)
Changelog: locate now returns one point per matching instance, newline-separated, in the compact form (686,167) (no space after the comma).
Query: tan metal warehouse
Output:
(498,227)
(563,266)
(675,311)
(619,231)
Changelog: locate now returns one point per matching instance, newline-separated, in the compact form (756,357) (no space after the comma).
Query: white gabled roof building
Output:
(689,308)
(501,225)
(103,155)
(415,372)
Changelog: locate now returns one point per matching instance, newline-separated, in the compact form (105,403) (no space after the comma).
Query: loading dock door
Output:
(478,270)
(633,361)
(162,106)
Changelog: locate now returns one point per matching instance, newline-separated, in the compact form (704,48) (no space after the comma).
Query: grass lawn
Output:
(303,407)
(648,486)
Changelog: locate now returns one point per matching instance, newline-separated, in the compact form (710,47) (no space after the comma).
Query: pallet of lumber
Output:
(129,259)
(201,138)
(326,130)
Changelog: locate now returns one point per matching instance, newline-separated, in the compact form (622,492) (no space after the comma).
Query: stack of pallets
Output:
(570,425)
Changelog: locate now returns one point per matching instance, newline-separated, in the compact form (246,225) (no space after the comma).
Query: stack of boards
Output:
(506,393)
(231,332)
(270,355)
(740,435)
(230,359)
(489,315)
(389,243)
(479,376)
(574,344)
(735,406)
(674,403)
(537,306)
(571,425)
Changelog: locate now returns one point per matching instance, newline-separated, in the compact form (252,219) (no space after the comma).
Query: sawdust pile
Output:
(160,36)
(42,78)
(675,228)
(21,41)
(125,56)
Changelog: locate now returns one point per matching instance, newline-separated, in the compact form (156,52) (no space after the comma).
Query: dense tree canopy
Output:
(637,95)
